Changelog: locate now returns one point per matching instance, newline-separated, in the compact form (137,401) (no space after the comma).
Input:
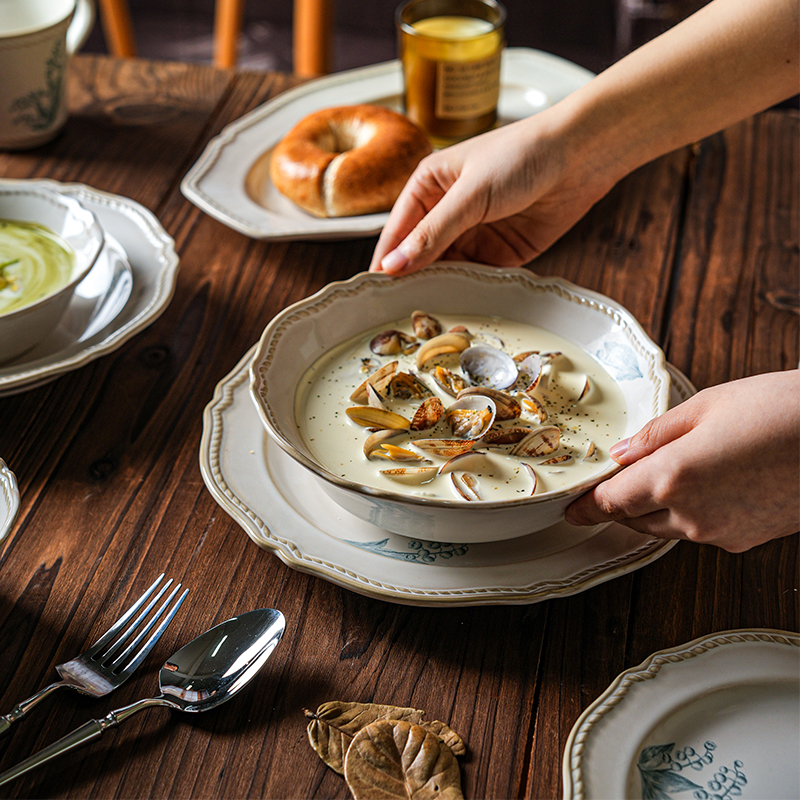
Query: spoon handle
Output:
(87,732)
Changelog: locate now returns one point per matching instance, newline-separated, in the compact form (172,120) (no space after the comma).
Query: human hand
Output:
(501,198)
(722,468)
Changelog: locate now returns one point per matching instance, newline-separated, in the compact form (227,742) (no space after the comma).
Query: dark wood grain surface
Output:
(701,246)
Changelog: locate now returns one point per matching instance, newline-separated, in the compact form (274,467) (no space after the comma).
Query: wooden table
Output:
(701,246)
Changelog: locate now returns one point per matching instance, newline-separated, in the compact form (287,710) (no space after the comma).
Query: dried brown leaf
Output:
(334,724)
(396,760)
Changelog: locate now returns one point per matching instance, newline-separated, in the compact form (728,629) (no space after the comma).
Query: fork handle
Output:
(87,732)
(21,709)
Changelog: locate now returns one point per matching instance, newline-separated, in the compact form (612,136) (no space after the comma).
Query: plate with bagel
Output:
(234,180)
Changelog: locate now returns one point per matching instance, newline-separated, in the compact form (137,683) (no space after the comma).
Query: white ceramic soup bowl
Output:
(303,332)
(39,202)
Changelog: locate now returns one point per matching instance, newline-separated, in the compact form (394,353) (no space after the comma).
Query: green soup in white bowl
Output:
(48,244)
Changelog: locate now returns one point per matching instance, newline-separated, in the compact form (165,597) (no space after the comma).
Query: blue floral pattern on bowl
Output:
(418,552)
(620,360)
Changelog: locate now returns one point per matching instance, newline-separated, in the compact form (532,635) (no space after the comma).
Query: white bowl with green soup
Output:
(48,244)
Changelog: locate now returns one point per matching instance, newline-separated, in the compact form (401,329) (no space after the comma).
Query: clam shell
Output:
(443,344)
(466,486)
(462,460)
(370,417)
(450,382)
(428,414)
(510,435)
(506,406)
(375,440)
(533,406)
(393,453)
(591,452)
(488,366)
(373,397)
(530,369)
(392,342)
(425,326)
(405,386)
(411,475)
(379,380)
(470,417)
(557,460)
(444,448)
(540,442)
(533,476)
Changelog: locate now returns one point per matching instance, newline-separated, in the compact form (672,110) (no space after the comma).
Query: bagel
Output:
(348,160)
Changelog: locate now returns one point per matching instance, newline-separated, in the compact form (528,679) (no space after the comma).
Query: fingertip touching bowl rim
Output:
(42,190)
(659,376)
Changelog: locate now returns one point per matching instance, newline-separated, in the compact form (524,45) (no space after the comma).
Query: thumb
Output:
(658,432)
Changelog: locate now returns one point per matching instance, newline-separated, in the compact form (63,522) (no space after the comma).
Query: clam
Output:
(444,344)
(425,326)
(444,448)
(406,386)
(392,452)
(428,414)
(470,417)
(574,387)
(507,407)
(379,380)
(390,343)
(370,417)
(591,452)
(462,460)
(451,382)
(530,370)
(533,476)
(411,475)
(466,485)
(510,435)
(374,398)
(375,440)
(557,460)
(534,406)
(539,442)
(488,366)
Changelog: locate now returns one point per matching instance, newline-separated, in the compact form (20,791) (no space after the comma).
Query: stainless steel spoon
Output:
(204,673)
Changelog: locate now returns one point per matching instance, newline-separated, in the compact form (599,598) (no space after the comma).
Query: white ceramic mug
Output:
(36,39)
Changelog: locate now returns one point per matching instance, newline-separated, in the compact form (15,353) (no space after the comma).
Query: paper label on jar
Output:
(467,89)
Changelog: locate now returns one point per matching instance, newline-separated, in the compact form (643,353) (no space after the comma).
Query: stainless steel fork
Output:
(103,667)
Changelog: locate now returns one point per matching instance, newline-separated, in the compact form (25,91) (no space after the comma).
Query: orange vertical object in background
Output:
(313,36)
(115,16)
(227,26)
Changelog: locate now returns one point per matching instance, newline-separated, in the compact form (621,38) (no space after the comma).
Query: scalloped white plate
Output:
(126,291)
(9,500)
(282,509)
(230,180)
(718,717)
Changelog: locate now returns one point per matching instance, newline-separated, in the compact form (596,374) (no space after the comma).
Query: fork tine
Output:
(109,635)
(154,637)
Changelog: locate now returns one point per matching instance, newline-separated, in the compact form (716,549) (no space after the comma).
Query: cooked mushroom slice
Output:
(370,417)
(412,475)
(507,407)
(540,442)
(466,485)
(445,343)
(451,382)
(428,414)
(379,379)
(470,417)
(425,326)
(488,366)
(390,343)
(444,448)
(375,440)
(557,460)
(406,386)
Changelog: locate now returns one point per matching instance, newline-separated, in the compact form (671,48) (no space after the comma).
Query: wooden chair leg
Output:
(227,27)
(313,37)
(115,16)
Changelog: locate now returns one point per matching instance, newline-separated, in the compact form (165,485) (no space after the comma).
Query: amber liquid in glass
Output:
(451,67)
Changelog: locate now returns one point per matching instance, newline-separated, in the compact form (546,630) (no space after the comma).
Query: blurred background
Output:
(592,33)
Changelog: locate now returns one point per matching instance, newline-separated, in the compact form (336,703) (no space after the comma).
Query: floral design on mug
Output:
(39,108)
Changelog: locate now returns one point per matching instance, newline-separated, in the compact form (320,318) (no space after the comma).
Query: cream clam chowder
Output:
(460,408)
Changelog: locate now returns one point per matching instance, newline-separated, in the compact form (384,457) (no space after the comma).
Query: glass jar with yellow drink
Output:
(450,51)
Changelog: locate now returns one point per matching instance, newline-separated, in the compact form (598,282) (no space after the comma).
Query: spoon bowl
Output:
(200,676)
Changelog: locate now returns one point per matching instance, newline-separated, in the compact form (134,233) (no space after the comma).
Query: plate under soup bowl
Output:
(48,244)
(594,378)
